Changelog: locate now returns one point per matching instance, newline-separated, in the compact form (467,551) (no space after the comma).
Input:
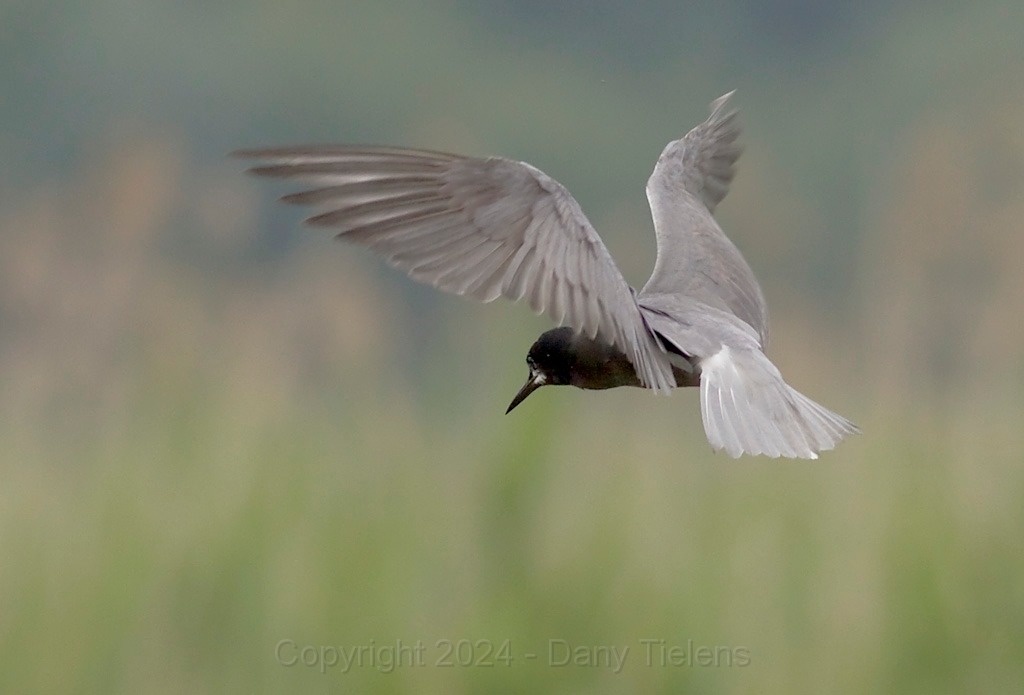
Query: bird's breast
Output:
(596,365)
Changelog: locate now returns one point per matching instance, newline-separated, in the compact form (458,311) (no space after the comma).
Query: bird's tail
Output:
(748,409)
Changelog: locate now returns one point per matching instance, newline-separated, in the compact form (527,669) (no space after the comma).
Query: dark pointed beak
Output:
(535,381)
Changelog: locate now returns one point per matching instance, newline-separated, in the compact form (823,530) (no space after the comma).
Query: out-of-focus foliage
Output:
(221,432)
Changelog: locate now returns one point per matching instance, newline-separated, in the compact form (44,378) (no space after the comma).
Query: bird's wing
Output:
(476,227)
(695,258)
(746,406)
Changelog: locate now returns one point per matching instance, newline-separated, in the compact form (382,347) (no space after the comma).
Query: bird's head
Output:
(550,362)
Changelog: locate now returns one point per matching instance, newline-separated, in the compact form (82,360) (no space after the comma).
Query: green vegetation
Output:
(220,433)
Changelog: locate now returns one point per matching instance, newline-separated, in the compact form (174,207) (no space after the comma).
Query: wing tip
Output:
(721,101)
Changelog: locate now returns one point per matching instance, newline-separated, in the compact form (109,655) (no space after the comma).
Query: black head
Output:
(550,361)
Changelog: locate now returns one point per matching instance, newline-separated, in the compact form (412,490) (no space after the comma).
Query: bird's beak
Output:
(535,381)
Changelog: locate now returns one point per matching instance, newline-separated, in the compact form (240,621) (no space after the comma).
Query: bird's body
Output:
(574,359)
(493,227)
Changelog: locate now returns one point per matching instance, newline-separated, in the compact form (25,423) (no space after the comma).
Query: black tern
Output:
(491,227)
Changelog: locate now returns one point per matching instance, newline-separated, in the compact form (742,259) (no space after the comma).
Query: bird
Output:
(491,227)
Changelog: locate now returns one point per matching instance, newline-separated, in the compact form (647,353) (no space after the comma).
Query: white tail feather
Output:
(748,409)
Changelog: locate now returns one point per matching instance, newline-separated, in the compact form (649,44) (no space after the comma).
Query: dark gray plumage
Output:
(493,227)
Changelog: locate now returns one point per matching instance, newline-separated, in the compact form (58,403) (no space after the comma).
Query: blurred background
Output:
(221,430)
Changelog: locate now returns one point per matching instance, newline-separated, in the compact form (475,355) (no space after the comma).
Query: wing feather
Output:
(695,257)
(475,227)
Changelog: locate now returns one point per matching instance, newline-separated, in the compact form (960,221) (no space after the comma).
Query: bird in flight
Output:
(491,227)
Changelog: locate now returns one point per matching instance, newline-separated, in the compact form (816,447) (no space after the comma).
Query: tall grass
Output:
(198,465)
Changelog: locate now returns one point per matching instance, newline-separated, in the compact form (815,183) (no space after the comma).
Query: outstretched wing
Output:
(695,258)
(476,227)
(746,406)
